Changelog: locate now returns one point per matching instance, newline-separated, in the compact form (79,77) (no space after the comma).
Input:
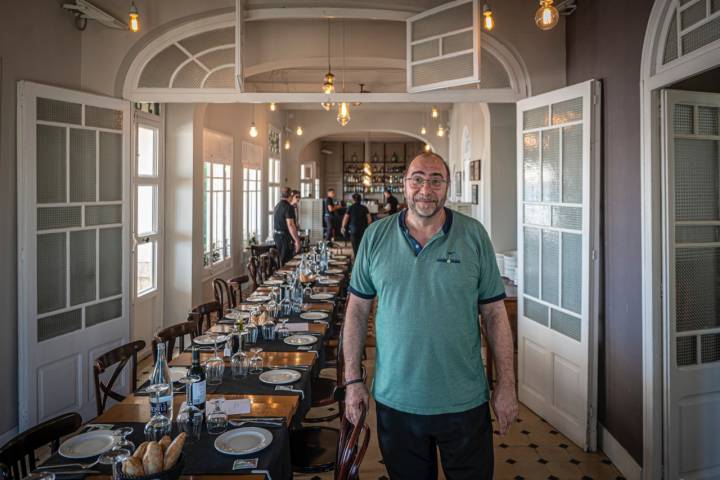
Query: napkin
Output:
(298,327)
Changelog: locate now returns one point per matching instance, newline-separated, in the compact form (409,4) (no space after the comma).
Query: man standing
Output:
(330,206)
(391,203)
(285,227)
(432,271)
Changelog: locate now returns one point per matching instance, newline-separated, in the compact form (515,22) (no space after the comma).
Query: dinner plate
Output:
(322,296)
(301,340)
(327,281)
(336,263)
(209,339)
(335,271)
(244,440)
(281,376)
(259,298)
(313,315)
(88,444)
(176,373)
(292,263)
(274,281)
(237,315)
(339,257)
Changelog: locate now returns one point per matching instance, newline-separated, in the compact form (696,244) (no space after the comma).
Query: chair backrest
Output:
(253,268)
(274,255)
(236,286)
(174,333)
(266,266)
(352,444)
(204,315)
(18,455)
(221,289)
(119,357)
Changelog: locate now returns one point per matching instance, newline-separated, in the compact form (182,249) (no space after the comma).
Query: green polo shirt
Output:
(428,336)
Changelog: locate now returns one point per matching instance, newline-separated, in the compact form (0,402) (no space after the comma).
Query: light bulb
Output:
(440,131)
(488,20)
(328,86)
(427,147)
(434,112)
(287,144)
(423,130)
(253,130)
(273,107)
(343,116)
(134,22)
(547,15)
(298,131)
(327,106)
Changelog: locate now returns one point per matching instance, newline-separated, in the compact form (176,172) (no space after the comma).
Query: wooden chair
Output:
(172,334)
(266,266)
(203,315)
(18,455)
(119,357)
(351,449)
(236,286)
(223,296)
(274,255)
(253,268)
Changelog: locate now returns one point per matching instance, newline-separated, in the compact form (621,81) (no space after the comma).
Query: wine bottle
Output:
(162,404)
(197,394)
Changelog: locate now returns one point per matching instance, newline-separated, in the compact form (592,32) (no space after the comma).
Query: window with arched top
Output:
(692,26)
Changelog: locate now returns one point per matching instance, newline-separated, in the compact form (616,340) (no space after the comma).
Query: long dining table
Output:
(291,406)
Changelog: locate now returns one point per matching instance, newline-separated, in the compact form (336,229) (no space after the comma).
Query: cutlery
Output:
(290,389)
(240,423)
(84,466)
(74,472)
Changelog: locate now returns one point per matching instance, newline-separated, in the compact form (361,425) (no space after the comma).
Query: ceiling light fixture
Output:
(343,116)
(423,130)
(85,10)
(287,144)
(253,129)
(427,147)
(440,130)
(134,22)
(328,86)
(434,112)
(327,105)
(273,106)
(488,19)
(547,15)
(299,131)
(362,90)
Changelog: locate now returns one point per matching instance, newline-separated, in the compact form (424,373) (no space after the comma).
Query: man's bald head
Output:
(424,156)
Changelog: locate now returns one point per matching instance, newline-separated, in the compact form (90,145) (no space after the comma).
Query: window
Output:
(307,181)
(217,199)
(273,172)
(251,202)
(146,226)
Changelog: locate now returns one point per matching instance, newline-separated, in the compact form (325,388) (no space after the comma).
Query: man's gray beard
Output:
(440,205)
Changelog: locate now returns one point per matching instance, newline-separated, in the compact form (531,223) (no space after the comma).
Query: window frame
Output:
(214,154)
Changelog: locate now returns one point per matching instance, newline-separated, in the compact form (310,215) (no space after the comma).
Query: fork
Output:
(83,466)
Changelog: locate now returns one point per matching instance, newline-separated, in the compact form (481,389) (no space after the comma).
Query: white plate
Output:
(335,271)
(209,339)
(280,376)
(273,281)
(88,444)
(327,281)
(237,315)
(259,298)
(292,263)
(176,373)
(313,315)
(339,257)
(336,263)
(242,441)
(322,296)
(301,339)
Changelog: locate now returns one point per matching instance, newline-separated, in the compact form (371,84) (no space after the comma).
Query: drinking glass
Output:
(39,475)
(239,365)
(159,425)
(214,369)
(190,417)
(217,419)
(114,457)
(124,443)
(256,362)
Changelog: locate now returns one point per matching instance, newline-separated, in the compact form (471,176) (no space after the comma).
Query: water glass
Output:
(190,421)
(240,365)
(124,443)
(115,457)
(256,364)
(159,425)
(217,419)
(214,369)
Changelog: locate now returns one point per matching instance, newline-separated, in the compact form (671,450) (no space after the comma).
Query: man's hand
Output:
(356,395)
(504,402)
(297,247)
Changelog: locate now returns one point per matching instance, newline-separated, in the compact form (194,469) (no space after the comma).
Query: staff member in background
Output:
(358,217)
(391,203)
(284,227)
(330,206)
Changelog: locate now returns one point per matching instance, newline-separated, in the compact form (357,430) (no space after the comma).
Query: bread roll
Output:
(153,459)
(140,451)
(133,467)
(174,450)
(165,442)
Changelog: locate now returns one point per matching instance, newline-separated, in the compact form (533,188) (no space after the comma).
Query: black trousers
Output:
(329,227)
(355,239)
(408,444)
(284,244)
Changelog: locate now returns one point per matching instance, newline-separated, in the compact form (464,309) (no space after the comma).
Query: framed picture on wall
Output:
(474,189)
(473,174)
(458,183)
(476,166)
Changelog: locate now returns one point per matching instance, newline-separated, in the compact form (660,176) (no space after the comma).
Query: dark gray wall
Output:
(604,41)
(38,42)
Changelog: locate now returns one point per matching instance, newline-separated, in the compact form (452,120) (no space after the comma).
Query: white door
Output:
(691,210)
(73,190)
(558,178)
(147,227)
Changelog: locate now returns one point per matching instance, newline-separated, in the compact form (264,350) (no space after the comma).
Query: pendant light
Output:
(299,131)
(488,19)
(253,129)
(434,112)
(427,147)
(287,144)
(328,85)
(134,22)
(327,105)
(343,116)
(440,130)
(273,106)
(547,15)
(423,130)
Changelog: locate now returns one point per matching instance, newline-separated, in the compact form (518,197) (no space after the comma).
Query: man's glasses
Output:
(417,181)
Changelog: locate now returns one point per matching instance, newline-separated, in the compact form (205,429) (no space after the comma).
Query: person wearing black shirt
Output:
(391,205)
(285,227)
(358,218)
(330,207)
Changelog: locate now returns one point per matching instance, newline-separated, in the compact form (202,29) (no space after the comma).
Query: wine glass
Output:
(159,425)
(123,433)
(114,457)
(239,365)
(190,417)
(217,419)
(256,362)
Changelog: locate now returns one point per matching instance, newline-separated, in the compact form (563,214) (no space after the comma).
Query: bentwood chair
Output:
(172,334)
(253,268)
(18,455)
(204,314)
(353,443)
(223,296)
(236,286)
(266,266)
(119,357)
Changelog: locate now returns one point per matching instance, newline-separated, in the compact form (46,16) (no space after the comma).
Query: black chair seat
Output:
(323,390)
(314,449)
